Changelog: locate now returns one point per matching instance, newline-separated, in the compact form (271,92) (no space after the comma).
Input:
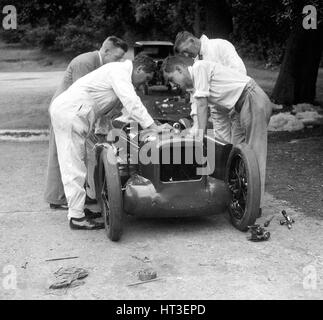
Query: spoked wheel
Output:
(243,180)
(109,187)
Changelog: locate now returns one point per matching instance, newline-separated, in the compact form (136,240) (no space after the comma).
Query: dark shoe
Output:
(89,200)
(259,213)
(58,206)
(92,215)
(85,224)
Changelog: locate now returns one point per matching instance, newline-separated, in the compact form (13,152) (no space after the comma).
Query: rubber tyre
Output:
(145,89)
(110,193)
(244,153)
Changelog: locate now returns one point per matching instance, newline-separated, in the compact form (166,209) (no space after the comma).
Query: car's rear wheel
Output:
(243,179)
(111,199)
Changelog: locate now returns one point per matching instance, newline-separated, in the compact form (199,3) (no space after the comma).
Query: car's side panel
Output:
(178,199)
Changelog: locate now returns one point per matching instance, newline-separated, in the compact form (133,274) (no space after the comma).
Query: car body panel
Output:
(178,199)
(159,188)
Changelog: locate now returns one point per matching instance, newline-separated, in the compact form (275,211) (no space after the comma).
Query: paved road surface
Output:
(25,98)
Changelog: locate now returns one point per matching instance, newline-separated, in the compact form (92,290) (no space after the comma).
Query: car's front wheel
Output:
(243,179)
(111,199)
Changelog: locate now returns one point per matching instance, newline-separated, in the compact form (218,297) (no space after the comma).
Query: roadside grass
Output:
(295,169)
(16,58)
(266,78)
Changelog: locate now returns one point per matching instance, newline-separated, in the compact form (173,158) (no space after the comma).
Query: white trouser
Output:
(221,123)
(72,121)
(90,163)
(54,192)
(250,126)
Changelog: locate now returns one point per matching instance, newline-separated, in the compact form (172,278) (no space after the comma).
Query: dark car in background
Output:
(158,50)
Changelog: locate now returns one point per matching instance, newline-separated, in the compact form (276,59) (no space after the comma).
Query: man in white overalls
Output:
(95,96)
(112,50)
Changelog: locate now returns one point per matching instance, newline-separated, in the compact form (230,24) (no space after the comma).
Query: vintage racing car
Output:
(177,187)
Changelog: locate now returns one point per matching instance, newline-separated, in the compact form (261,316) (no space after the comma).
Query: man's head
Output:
(175,69)
(144,69)
(187,44)
(113,49)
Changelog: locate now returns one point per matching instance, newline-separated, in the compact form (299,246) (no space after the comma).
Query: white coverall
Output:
(54,190)
(225,88)
(223,52)
(74,113)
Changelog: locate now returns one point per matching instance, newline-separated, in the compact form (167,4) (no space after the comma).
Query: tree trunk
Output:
(296,82)
(197,20)
(218,19)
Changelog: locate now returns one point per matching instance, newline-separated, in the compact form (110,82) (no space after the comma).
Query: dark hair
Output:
(181,37)
(119,43)
(171,62)
(148,64)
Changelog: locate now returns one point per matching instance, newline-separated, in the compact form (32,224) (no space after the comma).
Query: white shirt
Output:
(222,86)
(221,51)
(108,84)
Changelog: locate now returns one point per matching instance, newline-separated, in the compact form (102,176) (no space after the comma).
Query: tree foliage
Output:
(258,28)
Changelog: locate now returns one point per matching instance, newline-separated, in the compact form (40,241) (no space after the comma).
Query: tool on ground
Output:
(258,233)
(287,220)
(58,259)
(267,222)
(143,282)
